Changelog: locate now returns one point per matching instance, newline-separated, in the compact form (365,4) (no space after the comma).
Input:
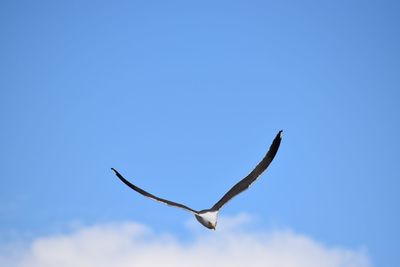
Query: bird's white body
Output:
(208,218)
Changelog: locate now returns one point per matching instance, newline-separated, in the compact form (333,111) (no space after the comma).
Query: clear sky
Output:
(184,98)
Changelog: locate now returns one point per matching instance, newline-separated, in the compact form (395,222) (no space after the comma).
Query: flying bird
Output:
(208,217)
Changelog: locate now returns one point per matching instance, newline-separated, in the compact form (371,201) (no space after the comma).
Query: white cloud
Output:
(132,244)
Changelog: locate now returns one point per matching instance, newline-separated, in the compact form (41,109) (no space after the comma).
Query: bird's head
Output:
(212,226)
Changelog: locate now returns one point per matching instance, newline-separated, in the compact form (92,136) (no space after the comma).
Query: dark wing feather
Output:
(146,194)
(249,179)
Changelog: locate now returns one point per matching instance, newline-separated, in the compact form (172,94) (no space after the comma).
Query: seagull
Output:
(208,217)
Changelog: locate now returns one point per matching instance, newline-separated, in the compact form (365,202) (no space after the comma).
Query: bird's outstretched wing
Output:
(146,194)
(253,175)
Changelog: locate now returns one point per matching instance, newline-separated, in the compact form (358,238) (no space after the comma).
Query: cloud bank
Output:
(131,244)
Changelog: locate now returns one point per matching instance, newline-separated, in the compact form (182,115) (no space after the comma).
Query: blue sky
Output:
(184,98)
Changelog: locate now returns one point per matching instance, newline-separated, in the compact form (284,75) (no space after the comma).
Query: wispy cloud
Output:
(131,244)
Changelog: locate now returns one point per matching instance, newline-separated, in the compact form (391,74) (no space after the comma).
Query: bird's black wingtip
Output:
(117,173)
(280,134)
